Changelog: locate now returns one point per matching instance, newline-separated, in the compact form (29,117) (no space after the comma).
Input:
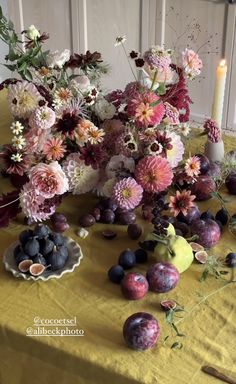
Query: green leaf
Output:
(161,89)
(205,273)
(167,337)
(10,67)
(177,331)
(1,12)
(169,316)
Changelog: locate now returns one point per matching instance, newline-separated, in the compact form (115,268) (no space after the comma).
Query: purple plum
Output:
(208,231)
(162,277)
(141,331)
(203,187)
(192,215)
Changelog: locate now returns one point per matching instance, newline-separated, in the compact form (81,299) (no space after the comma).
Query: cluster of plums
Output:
(39,249)
(160,277)
(107,212)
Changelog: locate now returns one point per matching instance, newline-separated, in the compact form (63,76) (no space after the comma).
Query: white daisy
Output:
(16,128)
(18,142)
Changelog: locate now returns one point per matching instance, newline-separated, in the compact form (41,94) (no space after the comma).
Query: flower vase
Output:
(215,151)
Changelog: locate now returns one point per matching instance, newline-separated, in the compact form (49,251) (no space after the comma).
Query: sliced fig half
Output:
(109,234)
(36,269)
(24,265)
(196,247)
(168,304)
(201,257)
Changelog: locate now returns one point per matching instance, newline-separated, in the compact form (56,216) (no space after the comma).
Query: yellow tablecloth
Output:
(100,356)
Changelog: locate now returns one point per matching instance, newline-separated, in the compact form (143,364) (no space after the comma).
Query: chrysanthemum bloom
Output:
(42,118)
(192,166)
(213,131)
(35,139)
(33,205)
(63,96)
(171,114)
(127,193)
(181,202)
(119,165)
(144,110)
(192,64)
(175,155)
(95,135)
(82,178)
(48,180)
(154,173)
(11,163)
(54,149)
(23,99)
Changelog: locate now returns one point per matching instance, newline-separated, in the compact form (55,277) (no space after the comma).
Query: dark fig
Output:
(46,246)
(39,259)
(20,257)
(222,216)
(56,259)
(31,248)
(116,274)
(109,234)
(207,215)
(57,238)
(41,231)
(141,256)
(25,235)
(17,250)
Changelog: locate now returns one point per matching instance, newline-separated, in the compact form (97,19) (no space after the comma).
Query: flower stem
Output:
(129,62)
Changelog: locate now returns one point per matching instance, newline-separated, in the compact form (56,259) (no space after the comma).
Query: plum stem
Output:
(166,242)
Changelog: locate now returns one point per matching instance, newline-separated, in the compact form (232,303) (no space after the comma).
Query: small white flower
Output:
(95,135)
(16,157)
(32,33)
(104,109)
(17,128)
(18,142)
(184,129)
(57,59)
(120,40)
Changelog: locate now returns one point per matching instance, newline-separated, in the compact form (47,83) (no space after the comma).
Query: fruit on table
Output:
(87,220)
(203,187)
(222,216)
(57,258)
(46,246)
(39,259)
(134,286)
(230,183)
(168,304)
(25,265)
(36,269)
(201,257)
(141,255)
(107,216)
(182,227)
(58,217)
(127,259)
(41,231)
(151,236)
(207,215)
(134,231)
(230,260)
(162,277)
(125,217)
(116,274)
(25,235)
(109,234)
(57,238)
(196,247)
(31,247)
(141,331)
(60,226)
(204,163)
(176,251)
(208,232)
(192,214)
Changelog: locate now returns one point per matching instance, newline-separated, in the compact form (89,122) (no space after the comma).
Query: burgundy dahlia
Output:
(67,124)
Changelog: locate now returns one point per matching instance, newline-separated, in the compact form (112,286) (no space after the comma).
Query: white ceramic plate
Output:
(75,255)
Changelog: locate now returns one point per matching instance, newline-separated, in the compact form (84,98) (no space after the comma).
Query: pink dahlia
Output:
(42,118)
(127,193)
(175,154)
(48,180)
(33,205)
(35,139)
(154,173)
(171,114)
(146,108)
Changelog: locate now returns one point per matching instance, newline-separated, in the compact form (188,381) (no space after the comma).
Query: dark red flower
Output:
(32,43)
(11,166)
(164,141)
(133,54)
(177,95)
(67,124)
(139,63)
(81,61)
(92,155)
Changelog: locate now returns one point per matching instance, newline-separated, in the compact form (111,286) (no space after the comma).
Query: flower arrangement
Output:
(69,136)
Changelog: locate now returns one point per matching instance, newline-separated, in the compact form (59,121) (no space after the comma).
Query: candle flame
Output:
(222,63)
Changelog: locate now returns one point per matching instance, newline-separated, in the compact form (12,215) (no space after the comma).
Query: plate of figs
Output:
(41,254)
